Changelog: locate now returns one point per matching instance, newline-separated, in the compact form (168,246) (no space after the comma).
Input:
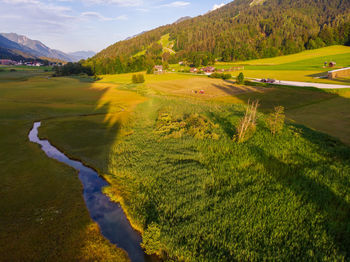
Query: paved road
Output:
(317,85)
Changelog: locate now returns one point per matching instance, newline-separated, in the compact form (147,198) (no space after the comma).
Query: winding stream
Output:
(109,215)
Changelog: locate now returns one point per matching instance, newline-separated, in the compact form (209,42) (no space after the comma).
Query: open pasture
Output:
(307,66)
(328,52)
(191,87)
(182,191)
(234,201)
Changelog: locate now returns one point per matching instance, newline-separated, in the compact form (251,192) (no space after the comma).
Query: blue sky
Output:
(74,25)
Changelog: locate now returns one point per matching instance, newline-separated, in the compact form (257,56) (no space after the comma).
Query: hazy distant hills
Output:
(240,30)
(24,46)
(77,56)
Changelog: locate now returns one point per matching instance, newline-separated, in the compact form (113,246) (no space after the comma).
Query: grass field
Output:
(196,198)
(43,214)
(307,66)
(169,155)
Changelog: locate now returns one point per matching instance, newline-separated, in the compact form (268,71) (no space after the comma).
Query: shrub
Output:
(222,76)
(2,70)
(247,125)
(150,70)
(134,79)
(275,120)
(226,76)
(151,240)
(240,78)
(13,70)
(194,125)
(138,79)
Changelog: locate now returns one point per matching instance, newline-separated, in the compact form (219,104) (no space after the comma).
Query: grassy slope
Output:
(305,55)
(43,214)
(304,66)
(279,198)
(165,42)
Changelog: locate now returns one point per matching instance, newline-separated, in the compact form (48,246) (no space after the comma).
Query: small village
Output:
(9,62)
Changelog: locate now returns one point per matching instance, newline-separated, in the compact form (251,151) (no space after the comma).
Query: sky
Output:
(75,25)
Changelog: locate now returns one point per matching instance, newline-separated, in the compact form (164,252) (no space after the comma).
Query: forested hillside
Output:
(241,30)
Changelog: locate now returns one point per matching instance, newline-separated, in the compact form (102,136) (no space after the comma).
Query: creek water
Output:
(108,215)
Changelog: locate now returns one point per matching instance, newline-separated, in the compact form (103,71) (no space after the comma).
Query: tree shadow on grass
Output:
(335,209)
(226,125)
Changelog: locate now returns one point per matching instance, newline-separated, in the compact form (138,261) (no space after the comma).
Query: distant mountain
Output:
(182,19)
(10,48)
(240,30)
(77,56)
(37,48)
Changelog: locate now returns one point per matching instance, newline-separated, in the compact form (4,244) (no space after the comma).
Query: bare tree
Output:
(247,125)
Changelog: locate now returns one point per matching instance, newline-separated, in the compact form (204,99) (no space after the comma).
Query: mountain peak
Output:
(37,48)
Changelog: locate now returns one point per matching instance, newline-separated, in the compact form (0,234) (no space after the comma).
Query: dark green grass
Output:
(281,198)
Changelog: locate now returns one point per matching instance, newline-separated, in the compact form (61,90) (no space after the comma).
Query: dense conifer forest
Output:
(241,30)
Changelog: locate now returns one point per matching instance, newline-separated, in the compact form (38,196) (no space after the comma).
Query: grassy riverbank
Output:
(43,214)
(198,195)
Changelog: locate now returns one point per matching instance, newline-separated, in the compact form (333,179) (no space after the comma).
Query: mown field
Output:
(196,194)
(306,66)
(43,214)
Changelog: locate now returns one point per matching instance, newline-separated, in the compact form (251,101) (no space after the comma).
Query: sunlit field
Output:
(307,66)
(43,214)
(195,193)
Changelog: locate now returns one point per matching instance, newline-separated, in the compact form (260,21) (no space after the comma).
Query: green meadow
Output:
(43,214)
(196,195)
(307,66)
(170,157)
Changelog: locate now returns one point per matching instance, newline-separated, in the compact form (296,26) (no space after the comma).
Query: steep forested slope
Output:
(241,30)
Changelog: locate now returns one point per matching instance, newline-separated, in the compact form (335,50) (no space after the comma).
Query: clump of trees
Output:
(275,120)
(221,75)
(138,79)
(73,69)
(240,78)
(247,125)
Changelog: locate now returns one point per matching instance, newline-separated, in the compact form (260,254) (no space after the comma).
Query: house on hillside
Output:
(158,69)
(209,70)
(7,62)
(344,72)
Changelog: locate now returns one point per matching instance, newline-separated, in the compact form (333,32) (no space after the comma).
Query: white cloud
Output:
(217,6)
(115,2)
(177,4)
(103,18)
(36,17)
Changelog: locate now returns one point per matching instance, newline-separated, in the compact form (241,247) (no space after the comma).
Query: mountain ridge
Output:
(37,49)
